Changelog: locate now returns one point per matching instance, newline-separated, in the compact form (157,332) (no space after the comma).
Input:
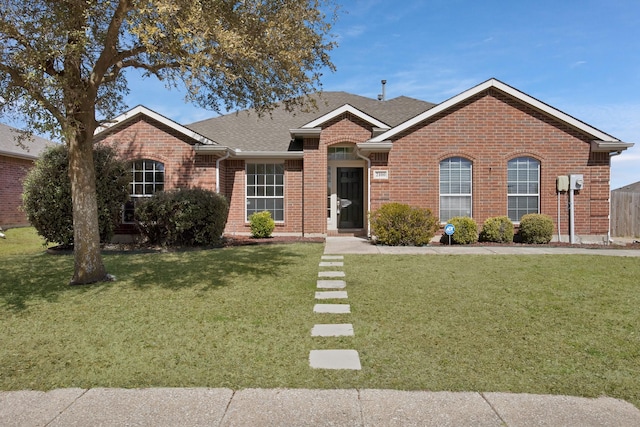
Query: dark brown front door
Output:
(350,198)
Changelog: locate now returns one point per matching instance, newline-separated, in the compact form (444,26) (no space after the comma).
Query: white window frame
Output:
(518,183)
(135,195)
(460,194)
(264,186)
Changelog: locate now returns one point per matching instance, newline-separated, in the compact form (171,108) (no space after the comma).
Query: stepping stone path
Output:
(332,288)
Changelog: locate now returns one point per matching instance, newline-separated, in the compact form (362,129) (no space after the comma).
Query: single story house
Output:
(491,150)
(15,162)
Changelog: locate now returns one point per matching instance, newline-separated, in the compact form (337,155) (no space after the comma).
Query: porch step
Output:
(350,232)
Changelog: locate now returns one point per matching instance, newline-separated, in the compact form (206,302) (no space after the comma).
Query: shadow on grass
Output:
(45,277)
(204,269)
(33,276)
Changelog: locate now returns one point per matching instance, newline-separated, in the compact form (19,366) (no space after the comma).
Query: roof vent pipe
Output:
(383,95)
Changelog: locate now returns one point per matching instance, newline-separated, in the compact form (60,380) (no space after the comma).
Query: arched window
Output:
(455,188)
(147,177)
(523,187)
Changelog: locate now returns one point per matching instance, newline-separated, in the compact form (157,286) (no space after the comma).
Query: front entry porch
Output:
(346,207)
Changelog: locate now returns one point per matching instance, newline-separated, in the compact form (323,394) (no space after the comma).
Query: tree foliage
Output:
(63,69)
(47,194)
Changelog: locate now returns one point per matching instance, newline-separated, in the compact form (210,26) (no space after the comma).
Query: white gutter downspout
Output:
(226,156)
(609,239)
(368,190)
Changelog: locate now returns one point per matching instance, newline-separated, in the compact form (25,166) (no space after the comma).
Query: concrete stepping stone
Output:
(327,257)
(335,359)
(332,308)
(331,274)
(331,295)
(333,330)
(331,284)
(331,264)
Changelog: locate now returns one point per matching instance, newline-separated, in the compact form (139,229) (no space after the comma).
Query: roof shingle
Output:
(9,146)
(246,131)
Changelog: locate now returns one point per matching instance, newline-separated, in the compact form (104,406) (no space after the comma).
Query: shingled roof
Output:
(246,131)
(9,146)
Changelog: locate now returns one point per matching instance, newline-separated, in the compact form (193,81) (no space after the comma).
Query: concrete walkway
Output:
(302,407)
(356,245)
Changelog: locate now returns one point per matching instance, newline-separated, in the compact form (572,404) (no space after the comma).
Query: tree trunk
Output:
(88,265)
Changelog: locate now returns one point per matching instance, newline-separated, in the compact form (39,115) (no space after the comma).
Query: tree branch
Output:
(19,81)
(110,56)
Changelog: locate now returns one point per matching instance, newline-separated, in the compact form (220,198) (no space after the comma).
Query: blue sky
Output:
(582,57)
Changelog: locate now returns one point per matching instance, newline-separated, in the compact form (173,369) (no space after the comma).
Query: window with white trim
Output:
(455,188)
(147,177)
(265,189)
(523,187)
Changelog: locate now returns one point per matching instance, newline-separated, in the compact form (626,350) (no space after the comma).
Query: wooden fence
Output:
(625,214)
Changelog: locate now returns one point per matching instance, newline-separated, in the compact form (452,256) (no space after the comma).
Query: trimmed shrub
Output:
(183,217)
(262,225)
(397,224)
(47,194)
(466,231)
(498,229)
(536,228)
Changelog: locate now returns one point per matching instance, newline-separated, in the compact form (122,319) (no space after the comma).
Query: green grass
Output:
(241,317)
(21,241)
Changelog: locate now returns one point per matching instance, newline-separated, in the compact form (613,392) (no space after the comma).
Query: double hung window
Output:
(265,189)
(455,188)
(523,187)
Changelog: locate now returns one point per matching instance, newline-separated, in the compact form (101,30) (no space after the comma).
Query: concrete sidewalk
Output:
(299,407)
(357,245)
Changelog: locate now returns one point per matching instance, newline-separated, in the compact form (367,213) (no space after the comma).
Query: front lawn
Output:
(241,317)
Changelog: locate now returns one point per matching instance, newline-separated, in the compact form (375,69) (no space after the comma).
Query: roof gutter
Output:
(313,132)
(227,152)
(18,156)
(617,147)
(366,148)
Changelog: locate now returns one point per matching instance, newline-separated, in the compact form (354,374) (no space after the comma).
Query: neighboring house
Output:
(625,211)
(15,162)
(491,150)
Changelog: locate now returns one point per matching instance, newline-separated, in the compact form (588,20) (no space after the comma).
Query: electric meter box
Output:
(562,183)
(576,182)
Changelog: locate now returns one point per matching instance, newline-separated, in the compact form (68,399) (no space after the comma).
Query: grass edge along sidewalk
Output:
(239,318)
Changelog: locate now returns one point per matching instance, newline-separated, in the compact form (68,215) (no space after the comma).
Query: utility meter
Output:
(562,183)
(576,182)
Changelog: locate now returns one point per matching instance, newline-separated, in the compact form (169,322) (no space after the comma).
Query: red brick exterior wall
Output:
(489,130)
(233,186)
(12,174)
(147,139)
(343,129)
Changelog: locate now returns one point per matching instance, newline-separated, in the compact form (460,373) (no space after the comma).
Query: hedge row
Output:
(397,224)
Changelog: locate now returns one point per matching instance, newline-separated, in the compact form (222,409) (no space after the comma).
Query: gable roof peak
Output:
(141,110)
(510,91)
(346,108)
